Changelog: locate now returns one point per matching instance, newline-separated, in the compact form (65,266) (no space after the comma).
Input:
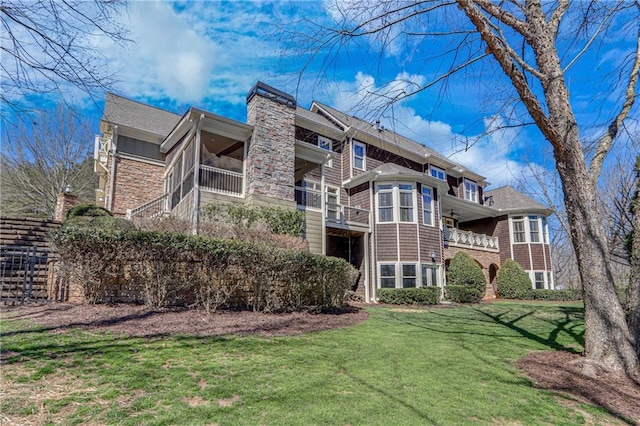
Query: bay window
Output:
(529,229)
(395,202)
(408,275)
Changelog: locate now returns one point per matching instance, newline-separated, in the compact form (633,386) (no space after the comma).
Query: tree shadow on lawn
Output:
(499,319)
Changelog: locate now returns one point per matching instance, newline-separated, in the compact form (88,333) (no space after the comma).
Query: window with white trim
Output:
(333,202)
(437,172)
(409,276)
(384,194)
(534,229)
(538,280)
(470,190)
(359,155)
(405,196)
(427,205)
(327,145)
(519,234)
(429,275)
(387,275)
(395,202)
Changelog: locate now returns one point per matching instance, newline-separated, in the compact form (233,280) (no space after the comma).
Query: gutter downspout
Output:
(114,144)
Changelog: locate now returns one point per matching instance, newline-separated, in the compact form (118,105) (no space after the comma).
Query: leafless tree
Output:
(54,47)
(534,44)
(42,158)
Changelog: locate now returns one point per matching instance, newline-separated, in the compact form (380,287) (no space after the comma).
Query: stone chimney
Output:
(271,155)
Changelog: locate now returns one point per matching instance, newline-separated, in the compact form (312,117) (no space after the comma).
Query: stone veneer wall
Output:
(136,183)
(271,157)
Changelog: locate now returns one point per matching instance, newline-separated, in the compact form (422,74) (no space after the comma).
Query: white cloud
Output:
(490,153)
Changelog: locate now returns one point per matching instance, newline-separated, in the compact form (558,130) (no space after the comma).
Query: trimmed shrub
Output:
(513,281)
(409,296)
(557,295)
(87,210)
(175,269)
(463,271)
(463,294)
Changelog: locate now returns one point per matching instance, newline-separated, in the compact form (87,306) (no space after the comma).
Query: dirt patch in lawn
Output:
(561,372)
(135,320)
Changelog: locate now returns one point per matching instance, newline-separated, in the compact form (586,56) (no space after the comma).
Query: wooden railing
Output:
(459,238)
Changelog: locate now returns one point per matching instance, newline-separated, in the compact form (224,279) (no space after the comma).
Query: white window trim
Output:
(437,169)
(395,197)
(547,277)
(464,189)
(364,155)
(431,208)
(543,229)
(418,277)
(321,140)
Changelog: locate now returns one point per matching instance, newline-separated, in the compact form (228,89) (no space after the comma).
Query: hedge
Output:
(463,293)
(162,268)
(409,296)
(558,295)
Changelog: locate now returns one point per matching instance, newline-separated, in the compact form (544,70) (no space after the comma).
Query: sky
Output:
(209,55)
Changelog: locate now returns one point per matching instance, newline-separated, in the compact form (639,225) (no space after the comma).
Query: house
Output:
(395,209)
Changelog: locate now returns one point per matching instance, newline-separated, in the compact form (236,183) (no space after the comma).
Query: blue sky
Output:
(209,54)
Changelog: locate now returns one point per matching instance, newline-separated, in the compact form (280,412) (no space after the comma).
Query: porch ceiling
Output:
(464,210)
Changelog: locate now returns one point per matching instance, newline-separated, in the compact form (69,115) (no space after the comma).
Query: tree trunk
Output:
(608,341)
(633,301)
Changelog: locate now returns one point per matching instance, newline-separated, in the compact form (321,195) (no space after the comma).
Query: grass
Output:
(401,366)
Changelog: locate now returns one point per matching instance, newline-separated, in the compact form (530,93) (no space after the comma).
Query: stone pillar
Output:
(271,155)
(64,203)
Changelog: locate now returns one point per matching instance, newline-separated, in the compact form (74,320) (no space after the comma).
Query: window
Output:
(385,203)
(429,275)
(396,202)
(470,190)
(408,275)
(437,172)
(519,235)
(327,145)
(534,229)
(359,155)
(539,280)
(427,205)
(333,203)
(388,275)
(406,202)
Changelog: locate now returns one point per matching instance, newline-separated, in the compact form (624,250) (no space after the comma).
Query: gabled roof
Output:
(136,115)
(366,132)
(508,199)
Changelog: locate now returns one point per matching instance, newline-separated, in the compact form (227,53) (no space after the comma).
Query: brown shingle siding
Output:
(386,241)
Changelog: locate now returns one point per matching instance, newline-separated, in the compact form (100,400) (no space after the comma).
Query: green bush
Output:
(277,220)
(513,281)
(463,294)
(558,295)
(464,271)
(87,210)
(175,269)
(409,296)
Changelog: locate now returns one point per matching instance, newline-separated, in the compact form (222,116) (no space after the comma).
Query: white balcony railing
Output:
(459,238)
(222,181)
(154,208)
(308,199)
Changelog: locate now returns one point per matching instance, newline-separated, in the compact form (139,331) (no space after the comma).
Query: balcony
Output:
(336,215)
(213,179)
(454,237)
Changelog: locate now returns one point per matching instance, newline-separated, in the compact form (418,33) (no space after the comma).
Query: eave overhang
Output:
(306,151)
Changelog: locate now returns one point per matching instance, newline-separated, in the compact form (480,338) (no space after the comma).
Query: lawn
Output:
(401,366)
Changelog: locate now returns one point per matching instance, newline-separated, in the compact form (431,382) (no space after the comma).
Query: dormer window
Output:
(470,190)
(437,172)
